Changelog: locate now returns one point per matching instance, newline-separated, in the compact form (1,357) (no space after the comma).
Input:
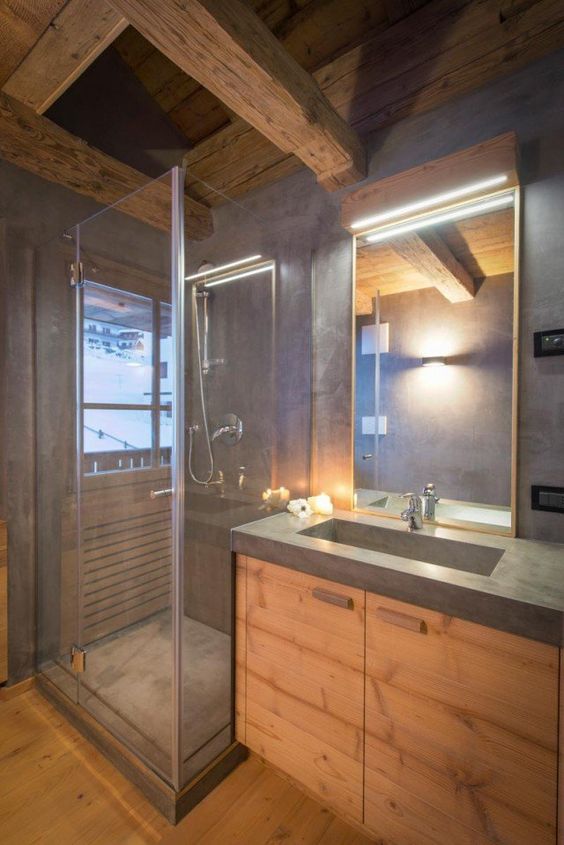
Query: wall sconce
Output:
(434,361)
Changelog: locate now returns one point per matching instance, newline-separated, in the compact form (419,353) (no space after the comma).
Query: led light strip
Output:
(215,270)
(262,269)
(468,210)
(437,199)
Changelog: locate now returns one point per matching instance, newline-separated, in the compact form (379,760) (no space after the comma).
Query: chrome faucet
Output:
(219,483)
(412,514)
(430,499)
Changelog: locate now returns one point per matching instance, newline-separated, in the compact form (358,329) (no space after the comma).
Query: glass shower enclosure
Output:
(136,580)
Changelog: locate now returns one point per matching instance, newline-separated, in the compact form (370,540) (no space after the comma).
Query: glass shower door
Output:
(128,414)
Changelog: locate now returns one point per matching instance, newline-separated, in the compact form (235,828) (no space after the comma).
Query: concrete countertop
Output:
(524,594)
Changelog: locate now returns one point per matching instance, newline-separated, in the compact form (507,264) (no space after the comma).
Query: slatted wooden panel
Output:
(3,603)
(305,682)
(461,731)
(125,559)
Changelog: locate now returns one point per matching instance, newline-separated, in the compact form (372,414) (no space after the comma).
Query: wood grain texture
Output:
(432,258)
(461,732)
(305,683)
(21,23)
(241,649)
(38,145)
(126,551)
(398,9)
(78,796)
(440,52)
(497,156)
(483,245)
(78,34)
(229,50)
(245,155)
(3,602)
(312,31)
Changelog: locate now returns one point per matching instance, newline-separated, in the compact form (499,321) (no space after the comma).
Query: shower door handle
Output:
(160,494)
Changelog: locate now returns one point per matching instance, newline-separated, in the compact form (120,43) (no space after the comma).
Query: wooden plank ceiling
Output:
(374,66)
(375,61)
(482,246)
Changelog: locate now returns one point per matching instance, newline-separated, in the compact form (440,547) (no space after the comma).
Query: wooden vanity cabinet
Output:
(3,603)
(427,729)
(304,681)
(461,731)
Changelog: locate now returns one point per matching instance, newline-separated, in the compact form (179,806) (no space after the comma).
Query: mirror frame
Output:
(394,199)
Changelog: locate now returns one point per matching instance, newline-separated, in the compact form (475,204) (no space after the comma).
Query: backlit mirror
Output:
(434,365)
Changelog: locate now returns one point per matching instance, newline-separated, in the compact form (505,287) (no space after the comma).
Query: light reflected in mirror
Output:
(434,372)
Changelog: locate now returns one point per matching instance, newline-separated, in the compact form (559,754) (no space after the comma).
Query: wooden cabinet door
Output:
(304,681)
(461,731)
(3,603)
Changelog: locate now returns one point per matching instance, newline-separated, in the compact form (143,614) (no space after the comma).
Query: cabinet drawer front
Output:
(305,680)
(515,671)
(461,720)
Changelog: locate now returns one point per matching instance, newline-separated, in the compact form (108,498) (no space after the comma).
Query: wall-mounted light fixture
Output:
(434,361)
(429,202)
(214,271)
(469,209)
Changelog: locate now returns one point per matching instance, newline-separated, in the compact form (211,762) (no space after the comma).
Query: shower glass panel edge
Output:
(129,363)
(178,468)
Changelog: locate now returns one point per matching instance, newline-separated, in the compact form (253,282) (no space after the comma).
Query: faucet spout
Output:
(412,514)
(430,500)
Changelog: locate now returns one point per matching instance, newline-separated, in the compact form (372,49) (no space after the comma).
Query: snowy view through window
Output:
(118,370)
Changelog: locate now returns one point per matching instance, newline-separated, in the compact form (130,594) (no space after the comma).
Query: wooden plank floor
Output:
(56,789)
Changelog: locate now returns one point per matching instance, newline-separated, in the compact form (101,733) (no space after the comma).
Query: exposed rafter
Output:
(398,9)
(438,53)
(226,47)
(38,145)
(79,33)
(432,258)
(21,24)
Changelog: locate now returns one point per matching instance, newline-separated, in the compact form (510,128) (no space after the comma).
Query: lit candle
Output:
(321,504)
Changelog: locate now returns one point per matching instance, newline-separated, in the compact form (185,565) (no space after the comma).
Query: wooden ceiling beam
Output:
(398,9)
(440,52)
(228,49)
(78,34)
(432,258)
(21,24)
(38,145)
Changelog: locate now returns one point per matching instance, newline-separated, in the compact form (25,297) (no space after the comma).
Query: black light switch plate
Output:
(545,498)
(549,342)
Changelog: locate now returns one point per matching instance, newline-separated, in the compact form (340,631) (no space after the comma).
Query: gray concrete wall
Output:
(448,425)
(37,389)
(298,224)
(530,103)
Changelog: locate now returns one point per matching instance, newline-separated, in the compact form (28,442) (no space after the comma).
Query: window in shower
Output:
(127,422)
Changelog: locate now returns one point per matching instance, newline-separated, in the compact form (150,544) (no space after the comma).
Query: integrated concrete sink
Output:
(466,557)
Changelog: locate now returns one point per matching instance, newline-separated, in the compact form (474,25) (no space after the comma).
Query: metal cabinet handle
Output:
(160,494)
(333,598)
(402,620)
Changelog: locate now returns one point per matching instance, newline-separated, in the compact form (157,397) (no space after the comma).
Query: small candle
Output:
(321,504)
(276,498)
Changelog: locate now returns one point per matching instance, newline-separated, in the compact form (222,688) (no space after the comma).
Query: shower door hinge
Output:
(78,659)
(76,274)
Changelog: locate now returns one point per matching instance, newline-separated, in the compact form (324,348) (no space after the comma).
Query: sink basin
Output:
(466,557)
